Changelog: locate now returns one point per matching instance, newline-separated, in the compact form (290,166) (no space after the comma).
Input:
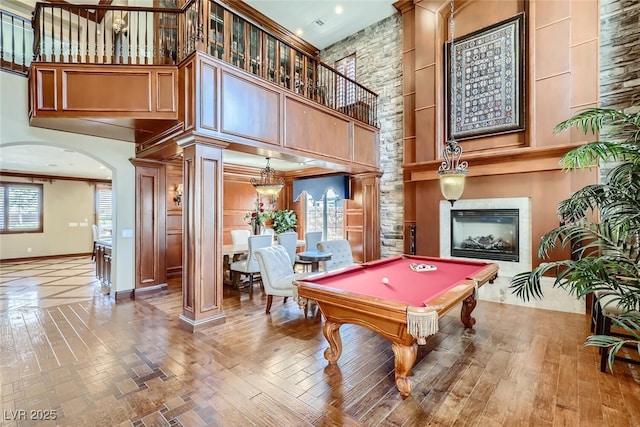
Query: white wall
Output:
(115,155)
(68,212)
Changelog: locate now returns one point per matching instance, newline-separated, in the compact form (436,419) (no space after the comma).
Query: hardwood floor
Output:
(67,348)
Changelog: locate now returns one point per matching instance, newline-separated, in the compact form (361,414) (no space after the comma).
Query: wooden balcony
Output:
(100,88)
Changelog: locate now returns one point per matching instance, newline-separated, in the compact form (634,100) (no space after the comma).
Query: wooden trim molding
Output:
(53,177)
(491,163)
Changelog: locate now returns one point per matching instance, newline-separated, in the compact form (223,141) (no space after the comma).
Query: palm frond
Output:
(591,154)
(592,120)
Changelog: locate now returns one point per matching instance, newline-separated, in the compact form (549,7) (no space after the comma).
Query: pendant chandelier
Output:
(268,184)
(452,171)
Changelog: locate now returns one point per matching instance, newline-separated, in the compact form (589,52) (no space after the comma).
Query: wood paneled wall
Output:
(222,102)
(561,78)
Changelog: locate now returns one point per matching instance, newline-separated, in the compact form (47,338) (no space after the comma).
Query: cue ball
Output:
(385,280)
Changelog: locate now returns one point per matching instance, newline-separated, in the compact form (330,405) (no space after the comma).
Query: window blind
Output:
(103,210)
(21,208)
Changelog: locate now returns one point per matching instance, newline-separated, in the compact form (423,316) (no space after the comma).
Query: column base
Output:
(197,325)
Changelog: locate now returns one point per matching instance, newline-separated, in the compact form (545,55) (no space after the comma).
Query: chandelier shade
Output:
(268,184)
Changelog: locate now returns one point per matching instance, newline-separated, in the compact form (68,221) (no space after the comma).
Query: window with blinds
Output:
(20,208)
(346,90)
(103,210)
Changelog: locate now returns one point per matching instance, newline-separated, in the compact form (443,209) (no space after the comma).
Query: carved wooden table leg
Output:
(468,304)
(331,332)
(405,358)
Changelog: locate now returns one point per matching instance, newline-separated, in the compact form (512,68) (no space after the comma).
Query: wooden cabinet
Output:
(103,261)
(239,42)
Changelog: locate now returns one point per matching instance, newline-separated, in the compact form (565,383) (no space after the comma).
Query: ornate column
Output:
(202,274)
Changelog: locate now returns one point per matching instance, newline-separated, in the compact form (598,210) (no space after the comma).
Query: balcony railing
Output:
(139,35)
(16,43)
(106,34)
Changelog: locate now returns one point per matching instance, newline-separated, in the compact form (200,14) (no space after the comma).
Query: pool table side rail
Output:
(385,317)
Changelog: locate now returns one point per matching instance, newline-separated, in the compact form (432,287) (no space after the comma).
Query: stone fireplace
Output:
(498,230)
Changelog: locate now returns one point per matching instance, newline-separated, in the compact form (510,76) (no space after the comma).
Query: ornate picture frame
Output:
(488,83)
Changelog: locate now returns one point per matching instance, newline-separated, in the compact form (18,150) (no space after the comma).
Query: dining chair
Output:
(250,265)
(311,240)
(276,272)
(289,241)
(341,254)
(269,231)
(240,238)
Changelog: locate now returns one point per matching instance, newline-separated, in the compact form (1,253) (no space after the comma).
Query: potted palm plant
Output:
(284,220)
(601,225)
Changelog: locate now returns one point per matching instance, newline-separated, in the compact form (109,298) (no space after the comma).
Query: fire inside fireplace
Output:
(485,234)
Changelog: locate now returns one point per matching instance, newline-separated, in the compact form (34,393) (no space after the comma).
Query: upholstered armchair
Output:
(341,255)
(277,273)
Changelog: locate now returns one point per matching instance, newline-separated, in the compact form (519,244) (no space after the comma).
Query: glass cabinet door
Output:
(311,78)
(298,72)
(166,33)
(238,42)
(216,31)
(255,47)
(271,58)
(285,65)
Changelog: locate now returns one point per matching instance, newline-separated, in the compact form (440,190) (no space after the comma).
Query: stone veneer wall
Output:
(378,50)
(619,53)
(619,60)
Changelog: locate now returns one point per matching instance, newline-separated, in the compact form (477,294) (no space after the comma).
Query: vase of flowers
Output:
(257,217)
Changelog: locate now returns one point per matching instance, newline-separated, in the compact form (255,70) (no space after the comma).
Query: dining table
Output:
(232,253)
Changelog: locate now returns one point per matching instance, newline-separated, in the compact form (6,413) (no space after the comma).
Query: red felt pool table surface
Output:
(410,287)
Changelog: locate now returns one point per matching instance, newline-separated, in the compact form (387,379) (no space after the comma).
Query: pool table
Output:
(400,298)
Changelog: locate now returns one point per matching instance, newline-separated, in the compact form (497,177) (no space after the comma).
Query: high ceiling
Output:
(340,19)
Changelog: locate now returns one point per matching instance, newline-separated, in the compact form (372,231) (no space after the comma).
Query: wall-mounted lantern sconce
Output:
(178,197)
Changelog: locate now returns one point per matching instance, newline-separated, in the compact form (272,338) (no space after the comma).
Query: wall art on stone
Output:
(488,81)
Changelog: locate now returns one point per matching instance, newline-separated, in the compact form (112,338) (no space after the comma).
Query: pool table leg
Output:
(468,304)
(405,358)
(331,332)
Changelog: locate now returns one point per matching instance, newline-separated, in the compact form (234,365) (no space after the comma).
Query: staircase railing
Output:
(101,34)
(16,43)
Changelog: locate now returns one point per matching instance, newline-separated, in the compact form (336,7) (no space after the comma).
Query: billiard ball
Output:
(385,280)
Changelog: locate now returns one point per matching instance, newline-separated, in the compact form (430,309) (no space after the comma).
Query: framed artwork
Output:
(485,92)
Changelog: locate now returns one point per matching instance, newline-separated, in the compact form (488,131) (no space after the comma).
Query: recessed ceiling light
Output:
(299,32)
(102,167)
(338,10)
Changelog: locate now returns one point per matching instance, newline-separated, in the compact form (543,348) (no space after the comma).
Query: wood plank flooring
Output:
(66,347)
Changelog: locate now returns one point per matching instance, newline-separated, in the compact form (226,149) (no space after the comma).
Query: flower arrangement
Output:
(259,215)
